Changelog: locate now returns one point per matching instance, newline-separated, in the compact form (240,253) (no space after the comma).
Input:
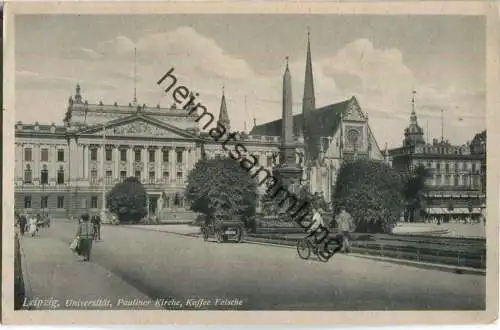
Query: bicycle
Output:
(305,246)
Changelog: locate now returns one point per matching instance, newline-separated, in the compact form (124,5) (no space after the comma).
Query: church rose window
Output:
(353,137)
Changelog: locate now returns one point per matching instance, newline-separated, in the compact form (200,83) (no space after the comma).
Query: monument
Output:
(288,171)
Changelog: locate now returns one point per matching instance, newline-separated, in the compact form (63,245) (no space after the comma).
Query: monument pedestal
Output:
(289,176)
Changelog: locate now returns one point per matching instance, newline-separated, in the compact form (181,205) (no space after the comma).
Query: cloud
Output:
(80,53)
(379,78)
(193,53)
(31,79)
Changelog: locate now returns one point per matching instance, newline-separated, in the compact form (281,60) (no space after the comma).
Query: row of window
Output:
(452,166)
(454,180)
(44,155)
(44,175)
(137,174)
(137,155)
(44,202)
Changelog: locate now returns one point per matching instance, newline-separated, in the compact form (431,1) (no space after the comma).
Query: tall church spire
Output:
(308,100)
(309,80)
(223,115)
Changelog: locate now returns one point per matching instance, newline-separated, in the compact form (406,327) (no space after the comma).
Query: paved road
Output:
(162,265)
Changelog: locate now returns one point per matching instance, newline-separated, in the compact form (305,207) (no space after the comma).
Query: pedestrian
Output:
(345,224)
(85,236)
(32,229)
(22,223)
(96,222)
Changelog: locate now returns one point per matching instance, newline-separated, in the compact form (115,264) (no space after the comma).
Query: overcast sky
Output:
(378,59)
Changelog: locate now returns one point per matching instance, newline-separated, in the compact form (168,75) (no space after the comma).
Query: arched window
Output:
(27,174)
(60,175)
(44,175)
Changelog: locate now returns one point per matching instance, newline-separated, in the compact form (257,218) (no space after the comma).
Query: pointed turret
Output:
(223,115)
(414,134)
(308,100)
(78,95)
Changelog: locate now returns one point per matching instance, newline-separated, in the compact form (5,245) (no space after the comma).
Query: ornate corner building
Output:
(456,185)
(67,169)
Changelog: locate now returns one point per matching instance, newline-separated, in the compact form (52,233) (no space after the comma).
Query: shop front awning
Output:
(459,210)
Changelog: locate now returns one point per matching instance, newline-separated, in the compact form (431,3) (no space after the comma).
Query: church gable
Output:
(353,111)
(138,126)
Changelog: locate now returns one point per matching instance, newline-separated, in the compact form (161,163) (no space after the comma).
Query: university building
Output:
(455,187)
(66,169)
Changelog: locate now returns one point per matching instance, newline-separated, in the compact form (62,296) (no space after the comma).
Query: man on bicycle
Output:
(317,221)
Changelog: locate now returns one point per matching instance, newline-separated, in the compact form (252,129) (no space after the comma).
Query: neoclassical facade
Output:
(67,169)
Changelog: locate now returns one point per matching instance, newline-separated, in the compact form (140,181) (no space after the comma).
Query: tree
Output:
(371,192)
(413,191)
(222,186)
(128,200)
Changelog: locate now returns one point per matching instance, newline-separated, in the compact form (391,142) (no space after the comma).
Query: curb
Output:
(417,264)
(411,263)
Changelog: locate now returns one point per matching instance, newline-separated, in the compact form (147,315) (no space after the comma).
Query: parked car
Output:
(223,228)
(19,290)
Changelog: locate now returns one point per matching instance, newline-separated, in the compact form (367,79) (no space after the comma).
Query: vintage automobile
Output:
(223,228)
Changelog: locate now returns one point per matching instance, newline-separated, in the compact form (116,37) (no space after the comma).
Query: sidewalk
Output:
(55,278)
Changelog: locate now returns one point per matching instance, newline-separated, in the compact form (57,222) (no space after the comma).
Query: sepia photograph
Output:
(249,162)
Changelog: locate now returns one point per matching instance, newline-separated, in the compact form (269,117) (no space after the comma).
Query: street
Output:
(135,265)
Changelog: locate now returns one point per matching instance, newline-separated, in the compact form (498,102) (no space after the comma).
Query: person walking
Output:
(345,224)
(22,223)
(32,229)
(85,236)
(96,222)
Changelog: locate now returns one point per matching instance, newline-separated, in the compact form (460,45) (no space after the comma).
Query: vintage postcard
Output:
(264,163)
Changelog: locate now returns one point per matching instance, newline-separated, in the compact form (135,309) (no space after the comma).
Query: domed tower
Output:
(414,134)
